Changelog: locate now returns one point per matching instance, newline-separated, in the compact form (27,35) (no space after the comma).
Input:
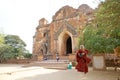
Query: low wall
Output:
(18,61)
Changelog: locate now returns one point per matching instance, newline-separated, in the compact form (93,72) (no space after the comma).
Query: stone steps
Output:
(50,64)
(55,61)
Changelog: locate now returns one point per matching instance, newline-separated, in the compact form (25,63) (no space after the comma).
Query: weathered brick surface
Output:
(66,23)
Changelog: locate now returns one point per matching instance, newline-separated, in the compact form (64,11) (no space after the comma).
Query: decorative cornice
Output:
(69,28)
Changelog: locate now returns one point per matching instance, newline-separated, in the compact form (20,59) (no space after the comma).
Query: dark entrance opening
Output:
(68,46)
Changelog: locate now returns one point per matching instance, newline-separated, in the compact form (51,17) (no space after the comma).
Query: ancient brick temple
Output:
(61,35)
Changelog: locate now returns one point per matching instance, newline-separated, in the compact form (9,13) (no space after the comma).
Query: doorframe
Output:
(61,42)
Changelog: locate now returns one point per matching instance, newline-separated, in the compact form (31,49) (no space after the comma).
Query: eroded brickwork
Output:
(53,38)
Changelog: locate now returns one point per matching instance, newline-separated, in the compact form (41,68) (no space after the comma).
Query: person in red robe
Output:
(82,60)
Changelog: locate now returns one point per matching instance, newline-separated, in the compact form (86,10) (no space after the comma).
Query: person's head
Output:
(82,47)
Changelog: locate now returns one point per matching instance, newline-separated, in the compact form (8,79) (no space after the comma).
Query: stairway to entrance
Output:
(50,64)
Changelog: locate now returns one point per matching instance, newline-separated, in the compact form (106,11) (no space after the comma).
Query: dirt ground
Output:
(16,72)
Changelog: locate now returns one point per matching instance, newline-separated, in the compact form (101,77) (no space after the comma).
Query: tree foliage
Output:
(5,52)
(107,18)
(103,34)
(1,38)
(4,49)
(16,43)
(11,46)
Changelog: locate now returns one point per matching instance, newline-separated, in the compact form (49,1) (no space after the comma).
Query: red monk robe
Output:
(82,60)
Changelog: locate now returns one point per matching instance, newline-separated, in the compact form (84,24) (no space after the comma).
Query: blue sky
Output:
(20,17)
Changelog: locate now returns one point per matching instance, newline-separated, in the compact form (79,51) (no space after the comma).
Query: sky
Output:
(20,17)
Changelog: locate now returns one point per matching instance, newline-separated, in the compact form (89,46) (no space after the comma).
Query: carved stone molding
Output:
(58,33)
(69,28)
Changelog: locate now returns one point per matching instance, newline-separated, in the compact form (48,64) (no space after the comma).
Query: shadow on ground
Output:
(74,75)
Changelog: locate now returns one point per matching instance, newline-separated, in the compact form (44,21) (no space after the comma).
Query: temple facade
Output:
(60,37)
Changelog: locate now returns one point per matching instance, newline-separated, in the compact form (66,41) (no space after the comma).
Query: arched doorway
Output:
(65,44)
(68,46)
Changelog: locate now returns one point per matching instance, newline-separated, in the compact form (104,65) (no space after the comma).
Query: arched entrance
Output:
(68,46)
(65,44)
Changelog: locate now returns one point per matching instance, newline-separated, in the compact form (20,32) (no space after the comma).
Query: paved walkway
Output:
(16,72)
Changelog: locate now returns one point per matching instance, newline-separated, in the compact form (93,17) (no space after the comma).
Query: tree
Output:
(95,43)
(11,46)
(107,18)
(28,55)
(4,49)
(5,52)
(1,38)
(18,45)
(103,34)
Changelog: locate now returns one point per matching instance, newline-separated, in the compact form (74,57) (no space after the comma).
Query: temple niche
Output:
(60,36)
